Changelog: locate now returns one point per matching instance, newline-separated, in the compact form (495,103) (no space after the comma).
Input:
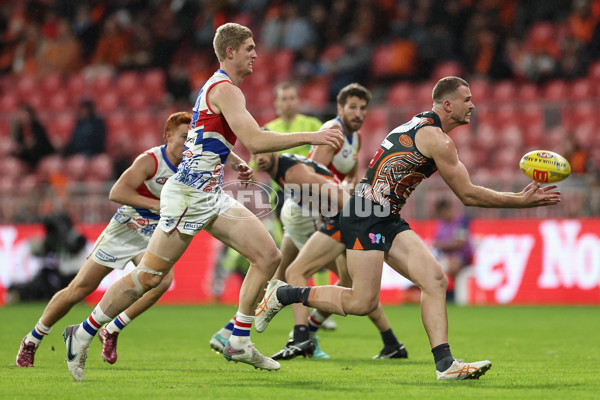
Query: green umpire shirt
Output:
(302,123)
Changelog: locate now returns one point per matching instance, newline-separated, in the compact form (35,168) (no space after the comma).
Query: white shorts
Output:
(298,225)
(120,243)
(188,209)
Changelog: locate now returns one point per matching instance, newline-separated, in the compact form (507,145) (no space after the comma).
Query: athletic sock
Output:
(289,295)
(315,320)
(38,333)
(91,325)
(389,339)
(300,333)
(442,356)
(241,330)
(227,329)
(120,322)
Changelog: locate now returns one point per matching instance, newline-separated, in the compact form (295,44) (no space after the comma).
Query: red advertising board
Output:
(516,262)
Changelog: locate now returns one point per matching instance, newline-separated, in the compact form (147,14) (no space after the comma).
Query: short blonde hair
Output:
(229,34)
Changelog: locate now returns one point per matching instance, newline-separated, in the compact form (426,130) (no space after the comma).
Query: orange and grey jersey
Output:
(287,161)
(398,167)
(208,144)
(346,157)
(141,218)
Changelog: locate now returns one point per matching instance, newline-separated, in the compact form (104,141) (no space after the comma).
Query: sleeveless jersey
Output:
(139,218)
(398,167)
(286,161)
(208,144)
(345,157)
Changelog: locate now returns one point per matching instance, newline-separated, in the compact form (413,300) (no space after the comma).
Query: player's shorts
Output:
(298,225)
(331,227)
(366,225)
(188,209)
(121,241)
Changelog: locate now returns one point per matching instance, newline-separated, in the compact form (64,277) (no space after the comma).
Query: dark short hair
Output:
(353,90)
(447,86)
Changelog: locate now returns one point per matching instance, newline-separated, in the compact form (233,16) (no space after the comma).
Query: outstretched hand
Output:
(330,137)
(537,196)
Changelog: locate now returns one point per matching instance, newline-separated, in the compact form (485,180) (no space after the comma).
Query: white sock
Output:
(120,322)
(240,335)
(37,334)
(88,328)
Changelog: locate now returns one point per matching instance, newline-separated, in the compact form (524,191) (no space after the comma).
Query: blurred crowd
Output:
(532,40)
(90,58)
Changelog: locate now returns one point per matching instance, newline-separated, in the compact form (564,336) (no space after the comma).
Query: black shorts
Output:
(331,227)
(366,225)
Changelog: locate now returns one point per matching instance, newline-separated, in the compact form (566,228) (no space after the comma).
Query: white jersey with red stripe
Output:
(346,157)
(143,219)
(208,144)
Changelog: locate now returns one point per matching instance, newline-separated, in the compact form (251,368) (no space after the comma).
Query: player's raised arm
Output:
(229,100)
(434,143)
(124,190)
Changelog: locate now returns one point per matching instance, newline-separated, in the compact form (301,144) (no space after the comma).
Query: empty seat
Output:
(480,89)
(582,89)
(446,68)
(154,82)
(100,168)
(128,83)
(400,93)
(528,92)
(77,167)
(9,101)
(107,102)
(58,101)
(504,91)
(315,95)
(556,90)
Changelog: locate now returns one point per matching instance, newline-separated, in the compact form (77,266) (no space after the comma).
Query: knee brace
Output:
(327,298)
(150,264)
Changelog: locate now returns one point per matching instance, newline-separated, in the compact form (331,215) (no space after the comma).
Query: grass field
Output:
(537,353)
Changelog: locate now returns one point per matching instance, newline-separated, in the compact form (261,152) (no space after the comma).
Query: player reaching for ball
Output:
(373,230)
(124,239)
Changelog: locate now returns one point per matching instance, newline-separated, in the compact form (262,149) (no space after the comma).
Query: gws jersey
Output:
(208,144)
(398,167)
(345,157)
(142,219)
(287,160)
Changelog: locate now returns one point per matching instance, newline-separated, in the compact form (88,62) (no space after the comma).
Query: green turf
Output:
(537,353)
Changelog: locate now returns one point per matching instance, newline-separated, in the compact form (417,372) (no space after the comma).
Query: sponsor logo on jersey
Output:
(141,221)
(405,141)
(120,218)
(193,226)
(161,180)
(188,153)
(375,237)
(104,256)
(426,121)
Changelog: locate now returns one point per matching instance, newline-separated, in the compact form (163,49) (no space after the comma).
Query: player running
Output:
(124,239)
(193,200)
(373,230)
